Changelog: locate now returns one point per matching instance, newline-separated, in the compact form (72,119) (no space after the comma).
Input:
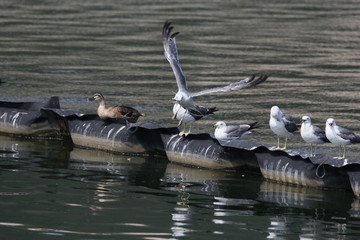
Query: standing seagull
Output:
(183,96)
(312,134)
(282,125)
(184,116)
(223,132)
(340,136)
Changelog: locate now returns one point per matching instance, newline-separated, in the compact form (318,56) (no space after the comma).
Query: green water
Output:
(72,49)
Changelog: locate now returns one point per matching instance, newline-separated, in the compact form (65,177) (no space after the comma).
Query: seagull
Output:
(184,97)
(188,116)
(282,125)
(223,132)
(312,134)
(340,136)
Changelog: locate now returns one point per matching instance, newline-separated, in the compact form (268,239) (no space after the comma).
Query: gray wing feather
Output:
(171,54)
(349,135)
(320,133)
(245,83)
(237,130)
(289,122)
(233,131)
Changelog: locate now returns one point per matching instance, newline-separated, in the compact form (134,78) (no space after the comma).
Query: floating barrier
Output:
(294,169)
(203,151)
(199,150)
(30,119)
(115,135)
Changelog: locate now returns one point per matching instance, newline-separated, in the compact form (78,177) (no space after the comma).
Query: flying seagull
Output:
(230,132)
(184,97)
(312,134)
(189,116)
(340,136)
(283,125)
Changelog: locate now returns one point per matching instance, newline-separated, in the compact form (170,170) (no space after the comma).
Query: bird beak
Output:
(91,99)
(173,100)
(330,124)
(215,125)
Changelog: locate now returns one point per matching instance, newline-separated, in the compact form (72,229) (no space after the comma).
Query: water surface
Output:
(72,49)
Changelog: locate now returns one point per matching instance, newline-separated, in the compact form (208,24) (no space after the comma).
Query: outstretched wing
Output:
(245,83)
(171,54)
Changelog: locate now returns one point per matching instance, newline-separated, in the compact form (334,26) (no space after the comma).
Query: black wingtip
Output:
(260,79)
(167,29)
(253,125)
(212,110)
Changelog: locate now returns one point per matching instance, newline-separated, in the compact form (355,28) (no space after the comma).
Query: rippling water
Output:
(73,49)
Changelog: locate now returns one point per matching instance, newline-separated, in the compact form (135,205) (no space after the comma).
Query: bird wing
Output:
(348,135)
(199,111)
(245,83)
(320,133)
(289,122)
(171,54)
(232,131)
(127,111)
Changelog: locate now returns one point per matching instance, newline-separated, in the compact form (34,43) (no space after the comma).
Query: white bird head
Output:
(306,120)
(275,112)
(330,122)
(220,124)
(184,99)
(178,97)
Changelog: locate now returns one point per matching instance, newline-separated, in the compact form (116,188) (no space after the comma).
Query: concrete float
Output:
(200,150)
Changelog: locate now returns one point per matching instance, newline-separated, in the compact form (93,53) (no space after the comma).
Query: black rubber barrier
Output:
(199,150)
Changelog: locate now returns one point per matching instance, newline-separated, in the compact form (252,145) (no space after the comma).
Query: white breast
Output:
(278,127)
(307,134)
(220,134)
(181,113)
(332,135)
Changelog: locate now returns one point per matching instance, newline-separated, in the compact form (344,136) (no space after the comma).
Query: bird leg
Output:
(187,133)
(343,153)
(284,144)
(183,131)
(175,115)
(180,122)
(314,153)
(312,150)
(278,143)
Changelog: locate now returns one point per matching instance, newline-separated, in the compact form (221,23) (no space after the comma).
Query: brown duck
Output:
(105,112)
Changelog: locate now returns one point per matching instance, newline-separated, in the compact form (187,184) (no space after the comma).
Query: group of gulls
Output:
(186,111)
(283,125)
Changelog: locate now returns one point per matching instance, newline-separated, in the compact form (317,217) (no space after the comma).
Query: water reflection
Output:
(41,150)
(309,48)
(191,201)
(87,159)
(290,196)
(191,179)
